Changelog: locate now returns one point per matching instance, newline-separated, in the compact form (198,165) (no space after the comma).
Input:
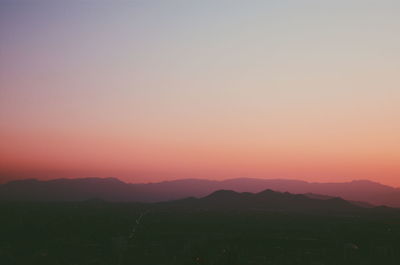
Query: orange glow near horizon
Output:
(157,91)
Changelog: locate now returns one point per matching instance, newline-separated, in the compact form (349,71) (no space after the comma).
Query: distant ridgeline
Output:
(360,193)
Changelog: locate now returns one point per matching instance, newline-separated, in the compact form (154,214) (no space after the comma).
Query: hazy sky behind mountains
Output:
(153,90)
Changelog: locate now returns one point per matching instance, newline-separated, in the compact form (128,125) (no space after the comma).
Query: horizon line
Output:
(201,179)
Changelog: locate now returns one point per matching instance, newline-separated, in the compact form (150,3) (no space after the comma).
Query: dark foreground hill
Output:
(223,228)
(268,200)
(111,189)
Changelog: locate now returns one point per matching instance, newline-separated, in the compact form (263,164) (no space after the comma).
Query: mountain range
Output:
(112,189)
(267,200)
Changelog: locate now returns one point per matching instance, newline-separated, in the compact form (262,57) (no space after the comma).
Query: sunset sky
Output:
(157,90)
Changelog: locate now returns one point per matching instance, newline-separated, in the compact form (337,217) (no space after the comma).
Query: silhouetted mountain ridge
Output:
(268,200)
(112,189)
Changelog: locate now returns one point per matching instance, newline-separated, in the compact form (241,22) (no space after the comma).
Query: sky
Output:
(158,90)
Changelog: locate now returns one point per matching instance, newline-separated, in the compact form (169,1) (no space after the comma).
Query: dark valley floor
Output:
(97,232)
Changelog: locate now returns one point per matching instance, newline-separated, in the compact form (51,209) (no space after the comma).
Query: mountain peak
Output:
(222,194)
(267,192)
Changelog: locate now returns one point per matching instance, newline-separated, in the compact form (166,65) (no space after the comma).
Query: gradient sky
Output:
(158,90)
